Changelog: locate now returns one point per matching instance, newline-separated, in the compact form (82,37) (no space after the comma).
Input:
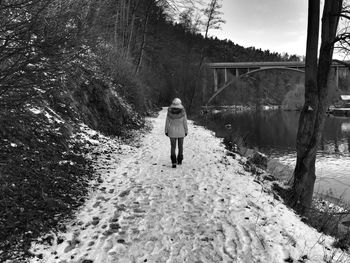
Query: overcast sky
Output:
(277,25)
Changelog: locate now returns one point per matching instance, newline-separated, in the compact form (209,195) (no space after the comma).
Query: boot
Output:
(173,161)
(179,159)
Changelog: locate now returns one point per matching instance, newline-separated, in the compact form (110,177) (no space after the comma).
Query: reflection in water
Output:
(274,133)
(345,127)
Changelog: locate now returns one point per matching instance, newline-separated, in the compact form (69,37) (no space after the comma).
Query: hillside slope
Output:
(44,172)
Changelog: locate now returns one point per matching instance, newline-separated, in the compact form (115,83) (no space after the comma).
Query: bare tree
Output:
(144,37)
(190,20)
(342,45)
(134,7)
(312,116)
(169,6)
(212,20)
(213,15)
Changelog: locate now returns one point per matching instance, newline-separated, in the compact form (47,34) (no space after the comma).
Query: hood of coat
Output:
(176,112)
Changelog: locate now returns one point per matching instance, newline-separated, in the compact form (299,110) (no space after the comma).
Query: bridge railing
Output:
(289,64)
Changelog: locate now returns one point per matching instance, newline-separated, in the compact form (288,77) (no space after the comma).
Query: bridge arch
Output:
(270,68)
(254,67)
(217,92)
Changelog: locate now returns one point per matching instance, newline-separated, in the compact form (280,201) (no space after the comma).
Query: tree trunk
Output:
(92,13)
(131,33)
(196,81)
(116,24)
(312,117)
(144,38)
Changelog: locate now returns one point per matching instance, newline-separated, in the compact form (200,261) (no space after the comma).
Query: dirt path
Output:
(206,210)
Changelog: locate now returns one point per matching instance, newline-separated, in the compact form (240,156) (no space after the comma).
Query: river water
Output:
(273,132)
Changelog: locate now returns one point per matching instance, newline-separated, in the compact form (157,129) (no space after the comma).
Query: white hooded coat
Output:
(176,122)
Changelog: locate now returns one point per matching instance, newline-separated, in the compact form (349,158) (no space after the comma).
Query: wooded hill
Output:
(103,63)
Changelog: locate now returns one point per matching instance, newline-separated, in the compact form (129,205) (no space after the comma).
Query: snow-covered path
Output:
(206,210)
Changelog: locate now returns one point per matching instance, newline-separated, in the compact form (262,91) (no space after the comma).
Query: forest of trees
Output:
(142,45)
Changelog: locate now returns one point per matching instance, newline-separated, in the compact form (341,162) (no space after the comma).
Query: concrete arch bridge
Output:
(243,69)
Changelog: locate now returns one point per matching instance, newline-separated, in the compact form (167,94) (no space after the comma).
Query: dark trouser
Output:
(173,150)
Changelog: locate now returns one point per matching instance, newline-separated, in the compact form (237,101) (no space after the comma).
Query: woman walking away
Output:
(176,129)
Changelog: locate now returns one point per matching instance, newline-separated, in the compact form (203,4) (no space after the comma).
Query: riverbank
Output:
(209,209)
(247,131)
(273,132)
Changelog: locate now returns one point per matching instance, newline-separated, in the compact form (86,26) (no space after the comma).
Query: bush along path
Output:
(209,209)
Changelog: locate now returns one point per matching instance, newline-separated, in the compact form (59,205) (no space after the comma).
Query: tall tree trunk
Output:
(92,13)
(213,21)
(312,117)
(116,23)
(124,23)
(131,35)
(144,38)
(132,25)
(196,80)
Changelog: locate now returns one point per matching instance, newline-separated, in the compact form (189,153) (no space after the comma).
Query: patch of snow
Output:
(86,135)
(209,209)
(345,127)
(35,110)
(39,90)
(66,161)
(52,116)
(345,97)
(327,206)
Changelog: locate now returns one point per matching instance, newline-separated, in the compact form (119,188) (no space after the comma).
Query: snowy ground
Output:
(207,210)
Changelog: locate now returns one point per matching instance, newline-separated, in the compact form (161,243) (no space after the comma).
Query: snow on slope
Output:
(206,210)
